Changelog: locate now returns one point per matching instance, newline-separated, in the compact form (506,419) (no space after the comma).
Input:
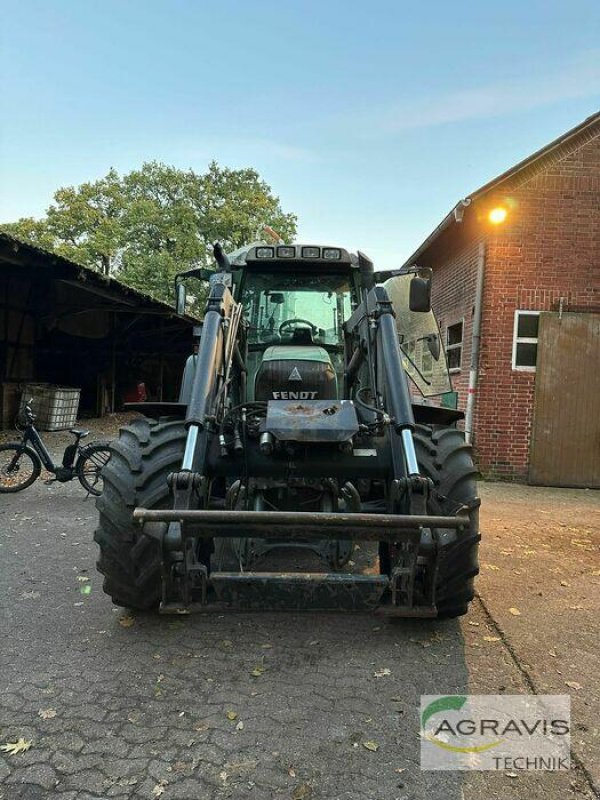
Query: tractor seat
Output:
(79,434)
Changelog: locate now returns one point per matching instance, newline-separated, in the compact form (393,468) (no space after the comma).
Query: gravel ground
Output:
(142,706)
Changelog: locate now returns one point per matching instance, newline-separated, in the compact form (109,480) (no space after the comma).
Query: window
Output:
(525,340)
(278,304)
(454,343)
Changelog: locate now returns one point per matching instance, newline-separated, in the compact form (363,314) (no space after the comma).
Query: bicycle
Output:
(21,462)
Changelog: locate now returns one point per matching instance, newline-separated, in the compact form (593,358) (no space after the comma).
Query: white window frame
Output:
(522,339)
(457,345)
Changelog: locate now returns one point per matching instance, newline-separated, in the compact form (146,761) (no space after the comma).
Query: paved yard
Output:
(141,706)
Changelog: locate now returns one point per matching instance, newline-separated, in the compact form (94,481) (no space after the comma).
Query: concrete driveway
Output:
(292,706)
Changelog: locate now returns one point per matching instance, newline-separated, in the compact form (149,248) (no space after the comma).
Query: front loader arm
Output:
(209,376)
(184,566)
(372,328)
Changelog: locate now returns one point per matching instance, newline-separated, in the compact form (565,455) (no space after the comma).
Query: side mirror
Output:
(367,271)
(221,257)
(419,298)
(180,299)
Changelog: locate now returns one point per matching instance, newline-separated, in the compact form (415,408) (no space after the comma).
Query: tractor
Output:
(299,469)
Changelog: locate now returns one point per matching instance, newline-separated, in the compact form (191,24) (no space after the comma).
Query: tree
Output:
(146,226)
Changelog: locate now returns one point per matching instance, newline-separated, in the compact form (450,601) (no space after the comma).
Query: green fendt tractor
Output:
(295,438)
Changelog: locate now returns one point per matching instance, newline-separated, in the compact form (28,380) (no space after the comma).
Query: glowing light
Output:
(497,215)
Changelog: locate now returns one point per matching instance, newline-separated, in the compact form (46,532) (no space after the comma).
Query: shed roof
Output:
(19,253)
(522,171)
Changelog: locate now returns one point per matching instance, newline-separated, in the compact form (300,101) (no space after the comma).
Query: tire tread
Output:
(444,457)
(145,453)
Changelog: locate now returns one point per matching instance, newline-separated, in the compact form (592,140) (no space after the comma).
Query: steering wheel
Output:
(290,323)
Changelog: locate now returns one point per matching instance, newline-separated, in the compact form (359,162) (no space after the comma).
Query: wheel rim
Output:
(15,469)
(92,469)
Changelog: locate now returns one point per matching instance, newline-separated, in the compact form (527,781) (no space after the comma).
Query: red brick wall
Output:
(453,298)
(549,248)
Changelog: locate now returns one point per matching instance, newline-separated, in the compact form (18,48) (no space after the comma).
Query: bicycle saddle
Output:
(79,434)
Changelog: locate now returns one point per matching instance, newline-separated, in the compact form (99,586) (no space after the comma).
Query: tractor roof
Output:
(298,255)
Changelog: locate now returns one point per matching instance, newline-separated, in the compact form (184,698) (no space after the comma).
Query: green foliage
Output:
(146,226)
(31,230)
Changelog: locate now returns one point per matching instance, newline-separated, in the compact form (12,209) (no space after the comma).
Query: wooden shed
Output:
(65,324)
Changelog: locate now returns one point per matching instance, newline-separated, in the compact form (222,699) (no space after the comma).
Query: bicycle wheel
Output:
(19,467)
(91,459)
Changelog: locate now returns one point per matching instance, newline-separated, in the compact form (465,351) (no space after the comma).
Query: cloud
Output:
(578,79)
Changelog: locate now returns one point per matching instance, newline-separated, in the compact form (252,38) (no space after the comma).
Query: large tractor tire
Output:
(444,457)
(136,475)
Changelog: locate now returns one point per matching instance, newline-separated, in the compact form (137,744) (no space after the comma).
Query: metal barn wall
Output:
(17,338)
(17,329)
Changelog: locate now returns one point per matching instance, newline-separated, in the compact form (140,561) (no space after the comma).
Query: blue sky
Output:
(369,120)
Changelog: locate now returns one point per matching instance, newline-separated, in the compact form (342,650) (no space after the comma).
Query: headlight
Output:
(286,252)
(311,252)
(332,253)
(265,252)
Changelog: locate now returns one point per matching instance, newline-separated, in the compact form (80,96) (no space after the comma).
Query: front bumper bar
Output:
(185,578)
(297,524)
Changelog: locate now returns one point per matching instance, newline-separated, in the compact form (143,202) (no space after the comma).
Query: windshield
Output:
(296,309)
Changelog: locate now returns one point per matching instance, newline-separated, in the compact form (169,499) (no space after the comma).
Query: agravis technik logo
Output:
(495,732)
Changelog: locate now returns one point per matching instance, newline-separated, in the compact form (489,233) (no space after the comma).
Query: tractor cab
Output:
(294,323)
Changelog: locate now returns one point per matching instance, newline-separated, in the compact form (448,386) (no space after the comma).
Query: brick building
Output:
(521,256)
